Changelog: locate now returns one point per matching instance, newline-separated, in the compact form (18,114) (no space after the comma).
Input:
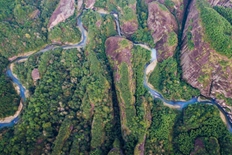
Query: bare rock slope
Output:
(64,10)
(130,26)
(118,50)
(164,27)
(202,66)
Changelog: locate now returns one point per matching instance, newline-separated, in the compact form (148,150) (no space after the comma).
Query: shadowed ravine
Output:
(174,104)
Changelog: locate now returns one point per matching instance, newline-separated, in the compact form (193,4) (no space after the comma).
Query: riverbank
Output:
(223,118)
(21,55)
(11,118)
(102,11)
(15,85)
(151,67)
(20,89)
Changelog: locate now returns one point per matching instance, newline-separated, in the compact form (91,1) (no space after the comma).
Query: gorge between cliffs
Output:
(150,67)
(133,78)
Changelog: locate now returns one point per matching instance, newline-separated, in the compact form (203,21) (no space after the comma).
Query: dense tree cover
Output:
(218,35)
(201,121)
(196,130)
(98,35)
(112,5)
(142,35)
(134,104)
(172,39)
(78,89)
(132,97)
(9,100)
(64,133)
(26,28)
(74,107)
(25,31)
(66,32)
(71,99)
(227,100)
(140,57)
(6,8)
(125,93)
(167,80)
(225,12)
(160,134)
(124,8)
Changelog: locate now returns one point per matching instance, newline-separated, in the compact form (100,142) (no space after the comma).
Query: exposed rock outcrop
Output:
(129,27)
(164,27)
(64,10)
(118,50)
(176,7)
(225,3)
(35,74)
(118,53)
(89,4)
(79,4)
(35,14)
(202,66)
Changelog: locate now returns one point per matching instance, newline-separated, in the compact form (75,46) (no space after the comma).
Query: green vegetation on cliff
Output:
(26,29)
(79,107)
(172,39)
(218,35)
(66,32)
(71,85)
(160,134)
(225,12)
(125,95)
(9,100)
(167,80)
(201,121)
(198,129)
(142,35)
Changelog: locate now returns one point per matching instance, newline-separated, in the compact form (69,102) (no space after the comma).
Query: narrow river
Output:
(11,120)
(148,69)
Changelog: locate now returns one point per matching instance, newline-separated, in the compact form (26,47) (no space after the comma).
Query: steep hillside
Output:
(119,52)
(164,28)
(176,7)
(206,51)
(93,84)
(126,11)
(64,10)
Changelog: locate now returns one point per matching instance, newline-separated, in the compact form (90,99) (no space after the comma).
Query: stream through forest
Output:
(174,104)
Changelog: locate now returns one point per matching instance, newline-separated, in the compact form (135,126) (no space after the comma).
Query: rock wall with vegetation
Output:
(164,29)
(206,51)
(93,100)
(9,100)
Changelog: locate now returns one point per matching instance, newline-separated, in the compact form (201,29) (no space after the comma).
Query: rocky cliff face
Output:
(164,27)
(176,7)
(226,3)
(64,10)
(89,4)
(119,54)
(202,66)
(118,50)
(129,27)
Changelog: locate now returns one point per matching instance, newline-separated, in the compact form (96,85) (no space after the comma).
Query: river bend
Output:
(148,69)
